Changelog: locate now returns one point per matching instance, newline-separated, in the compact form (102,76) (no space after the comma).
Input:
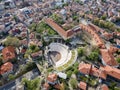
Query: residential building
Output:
(107,58)
(88,69)
(101,72)
(8,53)
(111,71)
(36,54)
(9,4)
(85,68)
(82,86)
(6,69)
(52,79)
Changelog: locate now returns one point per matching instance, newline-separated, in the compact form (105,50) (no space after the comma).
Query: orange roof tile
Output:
(82,85)
(90,30)
(52,77)
(108,35)
(8,53)
(113,49)
(84,68)
(64,34)
(98,73)
(102,72)
(6,67)
(94,27)
(108,57)
(89,69)
(114,72)
(104,87)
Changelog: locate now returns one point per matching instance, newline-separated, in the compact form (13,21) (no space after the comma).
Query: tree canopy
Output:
(42,27)
(12,41)
(80,51)
(73,83)
(31,84)
(93,56)
(118,60)
(57,18)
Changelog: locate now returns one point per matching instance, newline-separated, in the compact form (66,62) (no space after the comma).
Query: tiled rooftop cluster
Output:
(8,54)
(106,54)
(101,72)
(64,34)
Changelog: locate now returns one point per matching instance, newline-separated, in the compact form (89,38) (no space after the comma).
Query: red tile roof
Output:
(90,30)
(114,72)
(98,73)
(94,27)
(8,53)
(52,77)
(85,68)
(6,67)
(82,85)
(108,58)
(104,87)
(101,72)
(89,69)
(113,49)
(64,34)
(108,35)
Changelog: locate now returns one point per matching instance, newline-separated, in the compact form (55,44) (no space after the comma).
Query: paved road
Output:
(13,84)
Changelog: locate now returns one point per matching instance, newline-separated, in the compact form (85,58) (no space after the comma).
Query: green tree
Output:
(32,47)
(73,83)
(80,51)
(32,27)
(76,71)
(118,60)
(31,84)
(11,77)
(15,18)
(43,28)
(57,18)
(92,82)
(69,73)
(1,62)
(12,41)
(96,21)
(75,17)
(113,85)
(78,1)
(94,56)
(104,17)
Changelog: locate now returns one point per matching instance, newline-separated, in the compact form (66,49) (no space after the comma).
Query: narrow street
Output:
(14,84)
